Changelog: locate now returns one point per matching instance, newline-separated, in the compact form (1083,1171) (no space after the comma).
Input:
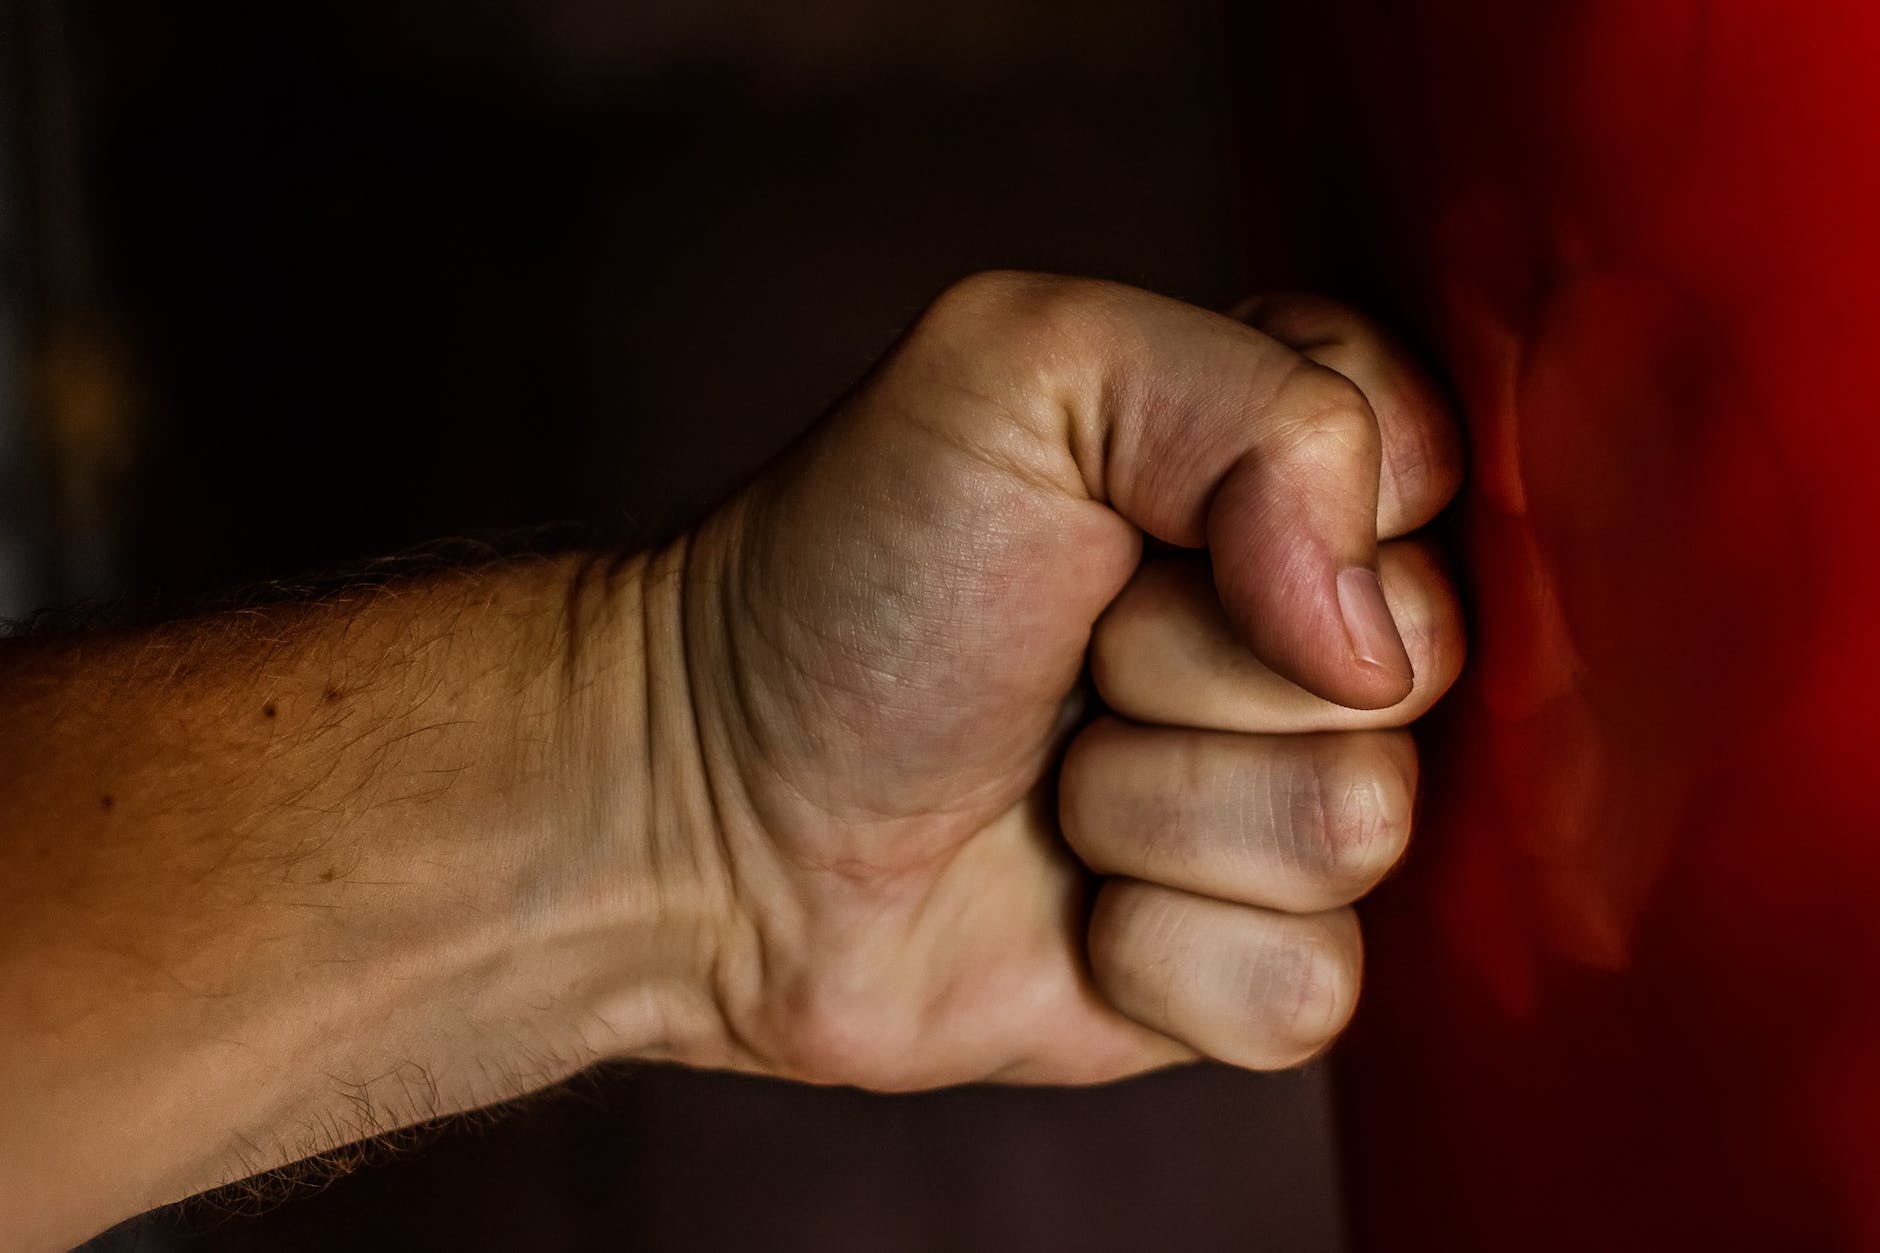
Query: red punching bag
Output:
(1626,992)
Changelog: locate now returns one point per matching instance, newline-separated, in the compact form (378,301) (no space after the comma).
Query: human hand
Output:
(784,796)
(883,639)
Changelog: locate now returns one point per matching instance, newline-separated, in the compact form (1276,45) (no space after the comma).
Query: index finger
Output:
(1420,445)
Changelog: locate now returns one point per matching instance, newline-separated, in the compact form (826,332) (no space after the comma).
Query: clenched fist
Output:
(902,795)
(904,769)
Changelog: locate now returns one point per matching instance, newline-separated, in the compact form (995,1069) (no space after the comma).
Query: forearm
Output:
(275,881)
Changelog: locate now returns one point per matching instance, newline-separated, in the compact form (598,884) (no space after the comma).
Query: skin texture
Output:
(822,790)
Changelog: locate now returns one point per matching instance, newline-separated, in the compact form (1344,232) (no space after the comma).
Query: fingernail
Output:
(1369,626)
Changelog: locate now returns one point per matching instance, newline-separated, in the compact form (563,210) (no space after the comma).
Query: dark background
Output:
(290,285)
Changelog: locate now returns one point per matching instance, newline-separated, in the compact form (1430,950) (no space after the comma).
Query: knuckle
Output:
(1015,311)
(980,296)
(1421,456)
(1040,338)
(1319,406)
(1312,989)
(1352,819)
(1411,467)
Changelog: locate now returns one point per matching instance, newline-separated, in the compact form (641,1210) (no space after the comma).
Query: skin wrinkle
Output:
(1315,834)
(1358,830)
(744,956)
(1282,816)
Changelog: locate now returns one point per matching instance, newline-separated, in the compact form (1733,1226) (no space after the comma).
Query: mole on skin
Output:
(267,710)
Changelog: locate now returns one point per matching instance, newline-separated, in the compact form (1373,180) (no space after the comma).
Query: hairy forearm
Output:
(277,880)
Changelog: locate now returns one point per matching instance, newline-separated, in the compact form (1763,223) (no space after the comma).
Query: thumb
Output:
(1204,431)
(1291,530)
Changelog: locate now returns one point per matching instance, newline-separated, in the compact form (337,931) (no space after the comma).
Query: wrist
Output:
(640,887)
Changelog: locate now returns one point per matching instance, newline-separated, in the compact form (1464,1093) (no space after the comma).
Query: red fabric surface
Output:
(1627,993)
